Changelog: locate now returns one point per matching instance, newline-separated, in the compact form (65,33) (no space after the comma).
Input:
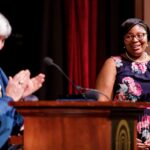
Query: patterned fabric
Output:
(143,126)
(10,120)
(133,84)
(132,80)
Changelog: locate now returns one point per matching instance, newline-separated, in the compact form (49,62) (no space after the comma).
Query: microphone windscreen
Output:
(48,61)
(90,94)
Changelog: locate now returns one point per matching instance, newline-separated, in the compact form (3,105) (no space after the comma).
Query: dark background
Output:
(39,31)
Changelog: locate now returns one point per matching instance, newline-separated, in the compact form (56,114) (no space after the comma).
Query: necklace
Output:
(145,57)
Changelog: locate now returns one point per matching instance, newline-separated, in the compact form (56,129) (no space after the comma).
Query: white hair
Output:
(5,27)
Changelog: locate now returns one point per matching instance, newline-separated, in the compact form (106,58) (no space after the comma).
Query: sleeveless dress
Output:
(132,80)
(133,84)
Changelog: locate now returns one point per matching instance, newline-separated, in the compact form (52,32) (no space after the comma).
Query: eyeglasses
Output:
(139,37)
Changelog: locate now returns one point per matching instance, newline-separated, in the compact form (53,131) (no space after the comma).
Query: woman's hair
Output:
(5,27)
(128,24)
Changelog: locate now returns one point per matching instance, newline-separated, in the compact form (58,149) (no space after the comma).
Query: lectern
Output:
(77,125)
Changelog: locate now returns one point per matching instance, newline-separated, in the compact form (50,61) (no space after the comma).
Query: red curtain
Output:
(81,27)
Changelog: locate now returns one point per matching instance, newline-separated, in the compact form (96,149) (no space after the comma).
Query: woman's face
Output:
(2,42)
(136,41)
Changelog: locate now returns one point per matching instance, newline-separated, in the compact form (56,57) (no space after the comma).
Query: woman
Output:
(127,77)
(13,89)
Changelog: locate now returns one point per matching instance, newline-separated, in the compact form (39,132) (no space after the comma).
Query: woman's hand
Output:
(17,84)
(34,84)
(147,144)
(143,146)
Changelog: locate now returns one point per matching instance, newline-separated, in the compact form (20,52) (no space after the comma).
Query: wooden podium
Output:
(75,125)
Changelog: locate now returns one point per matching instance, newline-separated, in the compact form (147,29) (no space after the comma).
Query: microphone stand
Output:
(86,93)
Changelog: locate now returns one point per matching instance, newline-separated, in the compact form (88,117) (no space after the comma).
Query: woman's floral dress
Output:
(133,84)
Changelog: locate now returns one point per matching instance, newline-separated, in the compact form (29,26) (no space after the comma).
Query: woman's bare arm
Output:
(106,79)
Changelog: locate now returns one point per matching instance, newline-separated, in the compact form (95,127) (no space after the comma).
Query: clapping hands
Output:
(21,85)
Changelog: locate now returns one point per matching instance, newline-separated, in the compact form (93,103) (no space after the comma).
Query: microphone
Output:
(87,93)
(48,61)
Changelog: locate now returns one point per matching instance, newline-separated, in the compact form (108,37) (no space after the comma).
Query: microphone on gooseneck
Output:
(87,93)
(50,62)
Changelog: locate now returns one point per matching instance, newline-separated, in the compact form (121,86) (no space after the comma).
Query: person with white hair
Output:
(13,89)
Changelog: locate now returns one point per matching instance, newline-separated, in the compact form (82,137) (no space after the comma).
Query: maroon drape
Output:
(81,27)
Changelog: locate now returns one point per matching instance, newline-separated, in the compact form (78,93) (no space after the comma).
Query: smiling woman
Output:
(135,42)
(126,77)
